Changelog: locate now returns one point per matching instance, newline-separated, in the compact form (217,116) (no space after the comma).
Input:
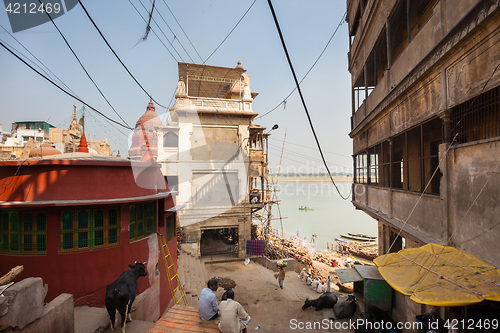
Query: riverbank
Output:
(319,264)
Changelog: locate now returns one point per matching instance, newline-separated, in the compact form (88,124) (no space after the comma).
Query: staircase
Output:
(193,276)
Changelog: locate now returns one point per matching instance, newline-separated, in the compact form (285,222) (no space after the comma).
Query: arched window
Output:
(170,139)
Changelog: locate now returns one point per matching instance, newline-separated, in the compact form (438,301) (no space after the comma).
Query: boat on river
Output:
(358,237)
(305,208)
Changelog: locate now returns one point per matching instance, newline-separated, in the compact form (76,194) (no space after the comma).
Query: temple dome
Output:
(149,118)
(45,149)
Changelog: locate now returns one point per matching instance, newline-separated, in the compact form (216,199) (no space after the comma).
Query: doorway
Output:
(220,241)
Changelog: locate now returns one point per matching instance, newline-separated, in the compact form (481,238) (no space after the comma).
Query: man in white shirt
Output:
(207,304)
(233,318)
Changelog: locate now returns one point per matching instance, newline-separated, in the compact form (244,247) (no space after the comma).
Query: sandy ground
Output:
(275,310)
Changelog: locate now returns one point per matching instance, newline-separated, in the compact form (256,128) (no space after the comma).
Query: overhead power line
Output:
(163,33)
(83,67)
(302,97)
(154,32)
(304,146)
(148,27)
(173,33)
(116,55)
(310,69)
(230,32)
(63,90)
(183,30)
(48,69)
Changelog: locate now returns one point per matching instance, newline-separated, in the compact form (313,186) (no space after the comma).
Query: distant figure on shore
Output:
(302,273)
(328,284)
(233,317)
(281,276)
(207,305)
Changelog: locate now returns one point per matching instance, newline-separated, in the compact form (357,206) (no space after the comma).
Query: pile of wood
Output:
(280,248)
(358,250)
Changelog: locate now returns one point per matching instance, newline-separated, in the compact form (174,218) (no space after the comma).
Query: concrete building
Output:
(28,135)
(68,141)
(78,220)
(215,157)
(426,124)
(22,133)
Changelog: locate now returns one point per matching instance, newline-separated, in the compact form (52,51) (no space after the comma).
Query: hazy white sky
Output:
(307,26)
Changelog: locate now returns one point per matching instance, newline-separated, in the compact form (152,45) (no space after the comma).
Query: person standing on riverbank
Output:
(281,276)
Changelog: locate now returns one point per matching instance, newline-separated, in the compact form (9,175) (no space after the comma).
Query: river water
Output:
(330,217)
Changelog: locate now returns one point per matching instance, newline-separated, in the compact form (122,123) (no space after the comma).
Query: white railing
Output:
(220,105)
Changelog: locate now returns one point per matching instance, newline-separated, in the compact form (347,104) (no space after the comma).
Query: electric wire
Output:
(183,30)
(148,27)
(309,158)
(302,97)
(230,32)
(116,55)
(173,33)
(161,30)
(62,89)
(48,69)
(165,46)
(304,146)
(310,69)
(83,67)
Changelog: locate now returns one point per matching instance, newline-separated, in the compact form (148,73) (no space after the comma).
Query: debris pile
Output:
(225,282)
(358,250)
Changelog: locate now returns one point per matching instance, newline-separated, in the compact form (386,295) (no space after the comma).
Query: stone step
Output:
(91,319)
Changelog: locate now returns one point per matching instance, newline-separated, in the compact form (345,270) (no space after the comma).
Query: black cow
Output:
(121,293)
(325,301)
(345,309)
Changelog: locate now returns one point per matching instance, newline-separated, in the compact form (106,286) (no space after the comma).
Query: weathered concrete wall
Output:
(475,196)
(380,199)
(428,216)
(360,193)
(23,303)
(57,317)
(454,11)
(23,310)
(465,58)
(469,73)
(292,264)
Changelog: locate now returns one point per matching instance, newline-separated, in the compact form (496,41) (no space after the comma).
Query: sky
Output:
(307,26)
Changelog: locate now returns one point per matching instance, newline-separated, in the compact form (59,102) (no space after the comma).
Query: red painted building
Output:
(77,220)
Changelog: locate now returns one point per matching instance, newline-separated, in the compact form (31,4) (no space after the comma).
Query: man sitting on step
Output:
(207,304)
(233,318)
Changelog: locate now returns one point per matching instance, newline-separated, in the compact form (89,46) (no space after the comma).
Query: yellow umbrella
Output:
(440,276)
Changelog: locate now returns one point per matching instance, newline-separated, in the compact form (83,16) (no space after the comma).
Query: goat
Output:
(120,294)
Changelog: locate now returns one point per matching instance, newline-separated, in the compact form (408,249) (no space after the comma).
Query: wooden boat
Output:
(361,235)
(305,208)
(358,238)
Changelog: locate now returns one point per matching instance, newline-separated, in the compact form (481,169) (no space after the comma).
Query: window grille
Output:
(23,232)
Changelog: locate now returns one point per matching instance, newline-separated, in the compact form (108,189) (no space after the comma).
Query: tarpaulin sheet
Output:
(440,276)
(256,247)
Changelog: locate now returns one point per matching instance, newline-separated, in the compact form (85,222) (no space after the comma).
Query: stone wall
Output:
(474,219)
(23,309)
